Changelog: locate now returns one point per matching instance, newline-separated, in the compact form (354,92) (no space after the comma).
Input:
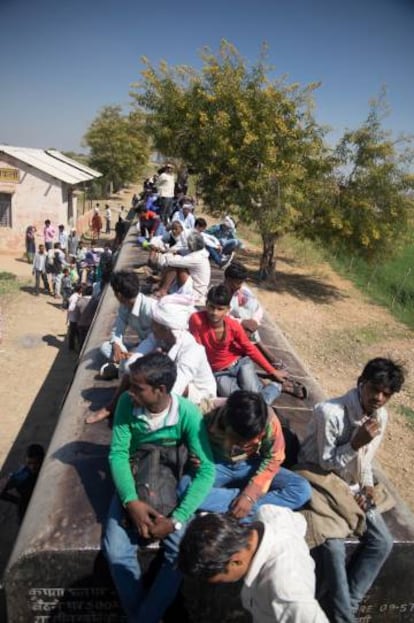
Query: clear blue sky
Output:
(63,60)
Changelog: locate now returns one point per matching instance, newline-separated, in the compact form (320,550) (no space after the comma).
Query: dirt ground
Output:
(329,323)
(335,330)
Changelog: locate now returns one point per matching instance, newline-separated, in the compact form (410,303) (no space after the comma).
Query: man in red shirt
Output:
(229,351)
(148,222)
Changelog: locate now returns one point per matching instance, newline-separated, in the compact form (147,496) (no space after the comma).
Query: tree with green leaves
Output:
(374,200)
(260,155)
(252,140)
(118,144)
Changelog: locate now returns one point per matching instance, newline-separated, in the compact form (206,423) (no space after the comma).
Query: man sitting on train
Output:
(343,437)
(149,413)
(134,313)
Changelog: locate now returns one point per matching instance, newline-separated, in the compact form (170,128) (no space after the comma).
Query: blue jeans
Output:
(227,247)
(243,375)
(346,583)
(287,488)
(120,546)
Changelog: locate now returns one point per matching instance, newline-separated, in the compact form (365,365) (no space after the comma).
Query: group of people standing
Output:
(72,272)
(242,511)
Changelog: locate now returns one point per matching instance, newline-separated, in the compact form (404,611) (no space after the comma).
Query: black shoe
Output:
(109,371)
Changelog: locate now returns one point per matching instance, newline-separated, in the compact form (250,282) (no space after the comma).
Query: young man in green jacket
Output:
(149,414)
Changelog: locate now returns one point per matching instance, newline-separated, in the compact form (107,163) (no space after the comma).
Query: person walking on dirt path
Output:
(96,224)
(39,270)
(49,233)
(108,218)
(165,187)
(30,243)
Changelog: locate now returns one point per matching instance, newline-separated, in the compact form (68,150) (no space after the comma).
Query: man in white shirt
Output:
(169,334)
(134,313)
(343,436)
(170,315)
(270,555)
(39,270)
(177,268)
(108,218)
(185,215)
(165,188)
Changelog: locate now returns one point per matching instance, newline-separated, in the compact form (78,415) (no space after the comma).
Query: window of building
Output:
(5,210)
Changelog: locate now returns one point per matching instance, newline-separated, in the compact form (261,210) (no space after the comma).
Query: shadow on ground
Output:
(38,427)
(311,287)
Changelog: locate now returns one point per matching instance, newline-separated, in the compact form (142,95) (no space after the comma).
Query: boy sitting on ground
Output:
(270,555)
(150,414)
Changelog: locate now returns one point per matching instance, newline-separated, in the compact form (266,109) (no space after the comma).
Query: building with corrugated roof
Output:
(36,185)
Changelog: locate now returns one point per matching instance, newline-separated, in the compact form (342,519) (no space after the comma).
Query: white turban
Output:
(229,222)
(173,311)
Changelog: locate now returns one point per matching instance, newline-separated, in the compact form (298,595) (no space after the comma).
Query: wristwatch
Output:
(177,525)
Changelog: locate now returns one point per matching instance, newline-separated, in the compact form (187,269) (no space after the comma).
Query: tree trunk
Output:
(268,259)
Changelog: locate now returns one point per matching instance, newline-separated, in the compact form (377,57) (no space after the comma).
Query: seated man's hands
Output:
(162,527)
(241,506)
(143,516)
(249,325)
(118,354)
(365,499)
(280,376)
(366,433)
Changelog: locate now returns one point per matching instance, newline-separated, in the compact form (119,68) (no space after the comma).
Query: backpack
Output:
(156,470)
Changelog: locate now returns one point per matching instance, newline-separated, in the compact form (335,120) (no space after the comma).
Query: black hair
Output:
(209,543)
(383,372)
(236,270)
(126,283)
(200,222)
(87,290)
(219,295)
(246,413)
(157,369)
(35,451)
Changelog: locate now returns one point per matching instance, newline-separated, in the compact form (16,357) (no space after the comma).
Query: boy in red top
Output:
(148,222)
(229,351)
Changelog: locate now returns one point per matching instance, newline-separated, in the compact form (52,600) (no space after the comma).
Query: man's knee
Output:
(377,530)
(302,490)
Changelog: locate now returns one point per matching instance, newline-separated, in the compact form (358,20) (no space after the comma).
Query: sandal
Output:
(278,364)
(295,388)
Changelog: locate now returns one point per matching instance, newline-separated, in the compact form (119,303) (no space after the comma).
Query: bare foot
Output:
(98,416)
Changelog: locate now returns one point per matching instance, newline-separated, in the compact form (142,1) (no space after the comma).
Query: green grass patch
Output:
(408,413)
(389,283)
(8,283)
